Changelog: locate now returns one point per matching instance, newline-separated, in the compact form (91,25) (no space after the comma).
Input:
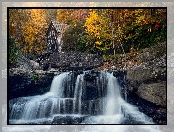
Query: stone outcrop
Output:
(153,92)
(145,84)
(147,79)
(23,83)
(70,61)
(148,82)
(146,74)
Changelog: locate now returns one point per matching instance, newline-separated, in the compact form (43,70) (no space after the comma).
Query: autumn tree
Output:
(51,15)
(98,32)
(15,39)
(147,27)
(28,27)
(65,16)
(74,37)
(138,28)
(34,30)
(115,30)
(17,18)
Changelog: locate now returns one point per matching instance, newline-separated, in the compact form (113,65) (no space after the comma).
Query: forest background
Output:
(107,32)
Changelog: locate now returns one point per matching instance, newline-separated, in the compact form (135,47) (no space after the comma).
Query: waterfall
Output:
(78,94)
(57,84)
(86,98)
(125,91)
(113,93)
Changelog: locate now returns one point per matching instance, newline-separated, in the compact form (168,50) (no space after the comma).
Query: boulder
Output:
(147,75)
(154,92)
(148,80)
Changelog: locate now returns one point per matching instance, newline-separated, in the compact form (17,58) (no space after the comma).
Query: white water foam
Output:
(56,86)
(43,108)
(78,93)
(117,110)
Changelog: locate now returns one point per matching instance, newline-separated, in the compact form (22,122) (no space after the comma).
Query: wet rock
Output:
(146,74)
(67,119)
(22,83)
(157,112)
(145,85)
(45,66)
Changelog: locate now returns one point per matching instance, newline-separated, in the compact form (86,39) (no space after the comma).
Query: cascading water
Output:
(57,84)
(82,99)
(78,94)
(116,110)
(113,93)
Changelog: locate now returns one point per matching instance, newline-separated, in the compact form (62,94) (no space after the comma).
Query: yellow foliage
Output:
(98,43)
(34,28)
(66,16)
(96,28)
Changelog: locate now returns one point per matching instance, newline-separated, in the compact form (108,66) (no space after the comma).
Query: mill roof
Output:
(60,27)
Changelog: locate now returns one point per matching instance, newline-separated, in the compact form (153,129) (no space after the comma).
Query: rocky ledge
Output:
(28,83)
(149,83)
(69,61)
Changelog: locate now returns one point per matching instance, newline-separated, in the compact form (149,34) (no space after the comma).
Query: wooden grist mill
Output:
(54,36)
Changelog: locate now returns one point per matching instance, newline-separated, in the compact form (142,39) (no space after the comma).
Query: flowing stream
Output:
(81,99)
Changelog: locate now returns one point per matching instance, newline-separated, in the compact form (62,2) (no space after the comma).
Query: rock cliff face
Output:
(22,83)
(147,78)
(146,87)
(148,82)
(153,92)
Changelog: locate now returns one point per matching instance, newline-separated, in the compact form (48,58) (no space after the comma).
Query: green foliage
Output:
(82,42)
(105,58)
(147,28)
(111,58)
(35,76)
(74,38)
(13,51)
